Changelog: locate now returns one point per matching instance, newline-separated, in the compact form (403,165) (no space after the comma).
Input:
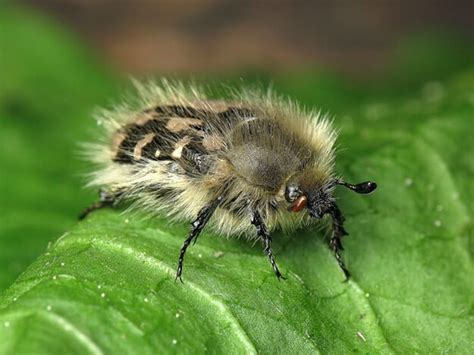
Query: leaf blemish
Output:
(361,336)
(218,254)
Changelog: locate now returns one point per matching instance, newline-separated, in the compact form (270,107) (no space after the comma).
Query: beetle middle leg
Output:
(197,226)
(262,232)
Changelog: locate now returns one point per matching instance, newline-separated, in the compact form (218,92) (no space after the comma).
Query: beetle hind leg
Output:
(106,199)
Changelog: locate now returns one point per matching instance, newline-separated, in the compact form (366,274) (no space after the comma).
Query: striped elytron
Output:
(243,166)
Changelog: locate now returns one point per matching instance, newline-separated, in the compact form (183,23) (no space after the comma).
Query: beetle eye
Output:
(299,204)
(292,192)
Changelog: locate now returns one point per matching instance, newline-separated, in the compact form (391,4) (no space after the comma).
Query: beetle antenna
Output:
(365,187)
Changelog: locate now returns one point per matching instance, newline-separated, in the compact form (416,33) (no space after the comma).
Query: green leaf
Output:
(48,88)
(107,285)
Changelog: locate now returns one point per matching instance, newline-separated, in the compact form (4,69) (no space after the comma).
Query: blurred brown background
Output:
(145,36)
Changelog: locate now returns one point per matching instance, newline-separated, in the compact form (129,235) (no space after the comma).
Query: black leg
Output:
(338,232)
(105,200)
(262,232)
(197,226)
